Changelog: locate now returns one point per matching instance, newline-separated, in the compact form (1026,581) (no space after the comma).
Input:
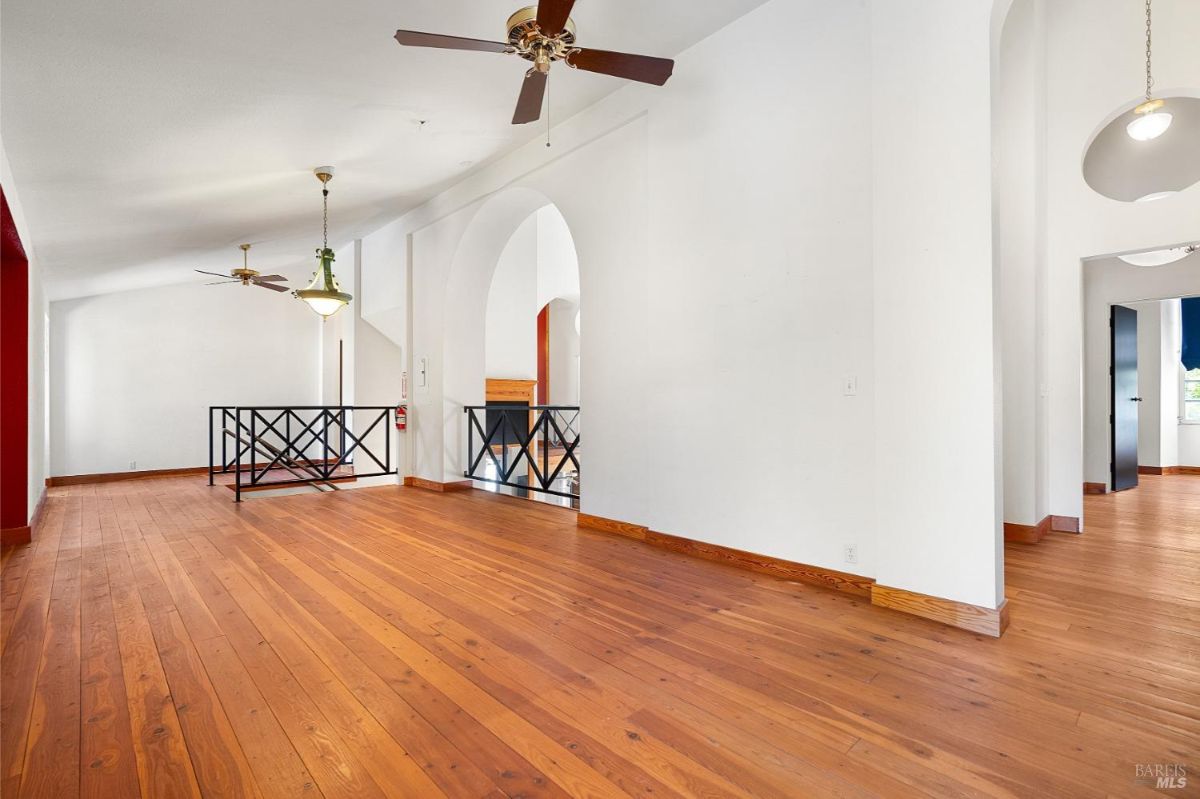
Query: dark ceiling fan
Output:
(247,276)
(544,34)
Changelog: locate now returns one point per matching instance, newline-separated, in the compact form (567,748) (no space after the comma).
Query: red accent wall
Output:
(14,373)
(543,356)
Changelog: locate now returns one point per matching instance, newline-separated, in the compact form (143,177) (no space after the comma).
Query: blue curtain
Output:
(1191,333)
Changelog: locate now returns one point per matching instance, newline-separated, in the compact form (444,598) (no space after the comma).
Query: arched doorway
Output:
(495,274)
(526,442)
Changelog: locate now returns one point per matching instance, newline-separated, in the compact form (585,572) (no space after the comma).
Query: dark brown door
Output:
(1125,399)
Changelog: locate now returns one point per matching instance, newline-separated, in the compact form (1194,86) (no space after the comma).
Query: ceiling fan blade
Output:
(529,102)
(214,274)
(552,15)
(271,286)
(222,282)
(644,68)
(270,278)
(418,39)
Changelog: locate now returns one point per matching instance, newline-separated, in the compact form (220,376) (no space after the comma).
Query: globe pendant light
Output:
(323,294)
(1150,121)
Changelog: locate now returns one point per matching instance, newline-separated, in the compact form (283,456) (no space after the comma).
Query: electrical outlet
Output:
(851,553)
(133,464)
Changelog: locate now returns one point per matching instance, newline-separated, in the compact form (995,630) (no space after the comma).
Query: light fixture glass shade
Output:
(323,294)
(1156,257)
(1149,126)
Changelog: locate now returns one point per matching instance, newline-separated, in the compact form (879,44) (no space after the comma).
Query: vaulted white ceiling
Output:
(149,138)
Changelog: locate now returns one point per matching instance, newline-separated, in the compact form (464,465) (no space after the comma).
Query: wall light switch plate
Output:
(422,372)
(850,386)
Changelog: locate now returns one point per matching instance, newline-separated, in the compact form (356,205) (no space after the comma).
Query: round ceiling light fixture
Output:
(1149,121)
(323,294)
(1159,257)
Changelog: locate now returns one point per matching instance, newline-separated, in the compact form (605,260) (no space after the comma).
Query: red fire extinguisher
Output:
(401,417)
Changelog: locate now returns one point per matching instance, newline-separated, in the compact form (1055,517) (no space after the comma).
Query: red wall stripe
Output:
(14,373)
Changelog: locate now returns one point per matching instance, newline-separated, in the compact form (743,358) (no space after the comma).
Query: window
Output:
(1189,354)
(1191,396)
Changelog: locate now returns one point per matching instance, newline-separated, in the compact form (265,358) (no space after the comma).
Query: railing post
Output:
(470,440)
(387,440)
(237,480)
(210,445)
(325,441)
(545,445)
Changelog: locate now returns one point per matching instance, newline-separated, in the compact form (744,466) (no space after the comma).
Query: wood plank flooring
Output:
(160,641)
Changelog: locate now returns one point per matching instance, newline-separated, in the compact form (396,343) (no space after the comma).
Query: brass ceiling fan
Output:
(247,276)
(544,34)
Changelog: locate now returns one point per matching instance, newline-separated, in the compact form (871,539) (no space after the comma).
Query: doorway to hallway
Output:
(1141,387)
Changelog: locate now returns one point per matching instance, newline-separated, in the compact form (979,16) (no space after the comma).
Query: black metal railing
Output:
(264,446)
(526,447)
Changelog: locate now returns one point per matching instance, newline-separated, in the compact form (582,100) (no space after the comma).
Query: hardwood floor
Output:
(159,641)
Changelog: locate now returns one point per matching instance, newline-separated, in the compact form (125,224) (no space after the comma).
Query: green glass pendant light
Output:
(323,294)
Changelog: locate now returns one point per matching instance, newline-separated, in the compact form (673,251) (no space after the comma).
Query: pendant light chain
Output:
(325,222)
(1149,78)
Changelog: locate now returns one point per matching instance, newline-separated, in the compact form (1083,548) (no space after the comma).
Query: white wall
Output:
(1170,389)
(558,263)
(37,445)
(749,289)
(512,309)
(1019,237)
(1090,73)
(564,353)
(1189,445)
(133,373)
(935,425)
(1109,281)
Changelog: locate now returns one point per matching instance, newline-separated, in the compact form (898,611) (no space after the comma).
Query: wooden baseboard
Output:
(112,477)
(986,621)
(433,485)
(612,526)
(1095,488)
(764,564)
(956,614)
(1026,533)
(1188,469)
(15,536)
(1166,470)
(1064,524)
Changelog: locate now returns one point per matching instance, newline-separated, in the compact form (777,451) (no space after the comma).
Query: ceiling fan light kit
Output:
(323,294)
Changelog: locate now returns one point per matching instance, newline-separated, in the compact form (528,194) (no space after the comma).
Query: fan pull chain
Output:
(547,109)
